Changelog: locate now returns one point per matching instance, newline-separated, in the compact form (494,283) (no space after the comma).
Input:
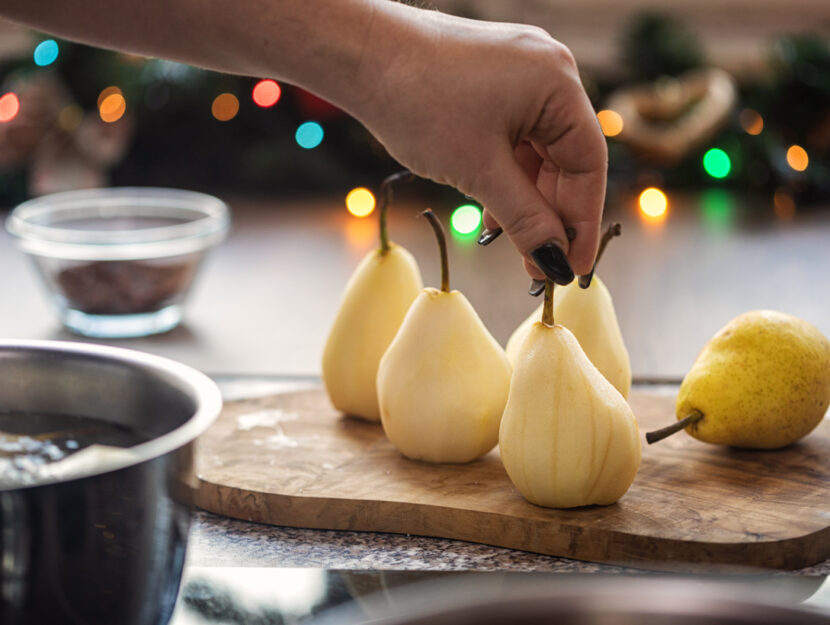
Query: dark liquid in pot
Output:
(28,442)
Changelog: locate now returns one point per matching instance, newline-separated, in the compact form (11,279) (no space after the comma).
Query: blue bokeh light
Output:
(309,135)
(46,52)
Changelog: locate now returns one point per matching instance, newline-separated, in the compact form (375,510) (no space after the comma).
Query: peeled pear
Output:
(568,438)
(373,305)
(443,381)
(761,382)
(589,314)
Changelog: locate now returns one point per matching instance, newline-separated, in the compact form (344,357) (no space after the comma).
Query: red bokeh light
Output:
(266,93)
(9,106)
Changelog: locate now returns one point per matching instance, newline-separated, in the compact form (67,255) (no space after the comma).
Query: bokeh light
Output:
(797,158)
(717,163)
(266,93)
(466,219)
(112,108)
(783,204)
(70,117)
(654,204)
(46,52)
(225,107)
(9,106)
(360,202)
(611,122)
(105,93)
(309,135)
(751,121)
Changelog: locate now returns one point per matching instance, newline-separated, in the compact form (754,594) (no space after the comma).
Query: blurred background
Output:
(717,114)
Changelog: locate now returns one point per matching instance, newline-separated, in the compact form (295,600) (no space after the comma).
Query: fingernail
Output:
(585,281)
(554,264)
(570,232)
(488,236)
(537,287)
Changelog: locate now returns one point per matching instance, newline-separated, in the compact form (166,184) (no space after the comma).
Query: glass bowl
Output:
(119,262)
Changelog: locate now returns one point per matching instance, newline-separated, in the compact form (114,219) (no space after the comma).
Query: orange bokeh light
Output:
(9,107)
(797,158)
(611,122)
(266,93)
(751,121)
(112,107)
(654,205)
(105,93)
(225,107)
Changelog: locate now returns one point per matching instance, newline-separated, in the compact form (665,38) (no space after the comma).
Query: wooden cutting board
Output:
(291,459)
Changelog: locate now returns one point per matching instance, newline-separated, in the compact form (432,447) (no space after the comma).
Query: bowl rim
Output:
(205,220)
(203,390)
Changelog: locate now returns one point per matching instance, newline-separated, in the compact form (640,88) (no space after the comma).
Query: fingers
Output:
(527,217)
(573,176)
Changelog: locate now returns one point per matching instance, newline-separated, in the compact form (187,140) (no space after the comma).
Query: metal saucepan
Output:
(106,545)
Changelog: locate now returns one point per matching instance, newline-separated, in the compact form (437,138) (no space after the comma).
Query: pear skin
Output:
(568,438)
(763,382)
(374,304)
(589,314)
(443,382)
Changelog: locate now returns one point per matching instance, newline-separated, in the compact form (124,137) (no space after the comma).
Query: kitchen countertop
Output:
(266,297)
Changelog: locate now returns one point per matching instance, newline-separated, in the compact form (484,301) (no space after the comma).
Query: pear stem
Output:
(442,247)
(659,435)
(614,230)
(547,307)
(386,199)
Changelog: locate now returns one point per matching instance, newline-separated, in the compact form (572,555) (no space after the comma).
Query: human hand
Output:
(497,111)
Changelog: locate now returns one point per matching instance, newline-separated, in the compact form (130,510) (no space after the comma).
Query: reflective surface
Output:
(259,596)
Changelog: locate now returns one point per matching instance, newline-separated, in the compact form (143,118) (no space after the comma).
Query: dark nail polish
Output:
(554,264)
(570,232)
(537,287)
(585,281)
(488,236)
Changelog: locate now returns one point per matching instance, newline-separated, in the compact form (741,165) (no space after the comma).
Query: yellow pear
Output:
(762,382)
(568,438)
(588,312)
(374,303)
(443,382)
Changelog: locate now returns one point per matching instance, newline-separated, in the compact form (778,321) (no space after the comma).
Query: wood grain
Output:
(291,459)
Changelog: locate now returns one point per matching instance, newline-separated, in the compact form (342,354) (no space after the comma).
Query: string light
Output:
(105,93)
(360,202)
(466,219)
(751,121)
(309,135)
(797,158)
(112,107)
(611,122)
(654,204)
(46,52)
(9,106)
(717,163)
(225,107)
(266,93)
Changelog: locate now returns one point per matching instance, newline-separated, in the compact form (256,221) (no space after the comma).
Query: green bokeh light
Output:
(717,163)
(466,220)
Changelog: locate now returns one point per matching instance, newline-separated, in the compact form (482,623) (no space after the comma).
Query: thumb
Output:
(528,219)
